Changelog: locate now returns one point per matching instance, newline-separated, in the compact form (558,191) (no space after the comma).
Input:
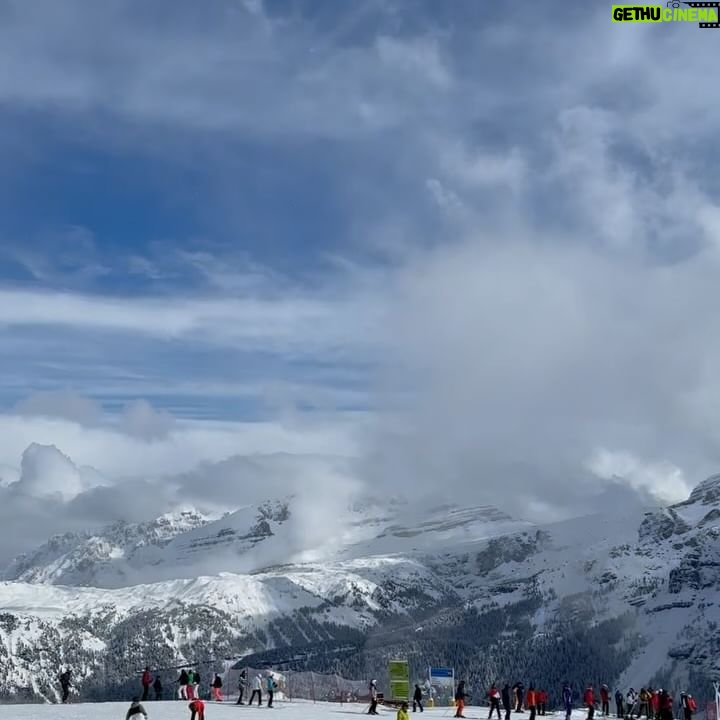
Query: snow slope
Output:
(221,711)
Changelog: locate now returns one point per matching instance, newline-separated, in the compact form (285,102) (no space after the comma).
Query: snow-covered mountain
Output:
(94,558)
(630,595)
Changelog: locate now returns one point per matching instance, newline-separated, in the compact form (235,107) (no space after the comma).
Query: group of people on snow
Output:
(258,682)
(147,682)
(648,703)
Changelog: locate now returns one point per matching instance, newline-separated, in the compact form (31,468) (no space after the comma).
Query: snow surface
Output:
(223,711)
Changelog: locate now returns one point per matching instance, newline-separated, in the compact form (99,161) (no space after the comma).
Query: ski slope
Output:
(225,711)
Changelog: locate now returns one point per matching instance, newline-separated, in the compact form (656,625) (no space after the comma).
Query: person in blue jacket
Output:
(567,700)
(271,685)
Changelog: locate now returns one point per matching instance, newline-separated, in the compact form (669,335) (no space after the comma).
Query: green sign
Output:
(399,680)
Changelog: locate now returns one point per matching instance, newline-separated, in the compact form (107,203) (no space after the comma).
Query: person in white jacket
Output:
(257,690)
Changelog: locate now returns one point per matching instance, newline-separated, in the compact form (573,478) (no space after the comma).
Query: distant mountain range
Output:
(626,597)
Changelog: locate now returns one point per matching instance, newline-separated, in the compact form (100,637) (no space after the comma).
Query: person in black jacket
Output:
(373,698)
(241,687)
(460,696)
(417,698)
(182,682)
(65,685)
(506,700)
(157,687)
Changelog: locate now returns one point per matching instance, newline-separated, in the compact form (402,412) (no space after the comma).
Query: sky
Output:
(459,249)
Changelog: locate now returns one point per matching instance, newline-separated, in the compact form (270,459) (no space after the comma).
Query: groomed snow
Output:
(224,711)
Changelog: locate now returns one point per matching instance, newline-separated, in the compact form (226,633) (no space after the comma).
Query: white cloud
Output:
(60,404)
(46,472)
(665,480)
(139,419)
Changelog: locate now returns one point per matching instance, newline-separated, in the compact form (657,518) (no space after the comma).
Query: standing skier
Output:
(460,696)
(542,701)
(146,682)
(257,690)
(417,698)
(157,687)
(373,697)
(217,688)
(65,679)
(196,683)
(506,700)
(135,709)
(665,702)
(619,709)
(190,687)
(631,700)
(605,700)
(689,706)
(567,700)
(241,687)
(589,699)
(271,687)
(494,697)
(520,690)
(182,683)
(531,702)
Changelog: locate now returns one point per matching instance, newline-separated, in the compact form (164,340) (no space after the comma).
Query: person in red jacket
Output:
(589,699)
(542,701)
(197,709)
(605,700)
(655,703)
(146,683)
(494,697)
(531,702)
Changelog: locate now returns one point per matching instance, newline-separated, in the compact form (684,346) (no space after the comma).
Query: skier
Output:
(402,713)
(65,679)
(190,687)
(373,697)
(241,687)
(542,697)
(531,702)
(589,699)
(182,682)
(135,709)
(271,687)
(631,701)
(196,683)
(460,696)
(494,697)
(605,700)
(567,700)
(257,690)
(417,698)
(197,709)
(619,702)
(506,700)
(519,694)
(157,687)
(665,705)
(217,688)
(146,682)
(655,703)
(689,705)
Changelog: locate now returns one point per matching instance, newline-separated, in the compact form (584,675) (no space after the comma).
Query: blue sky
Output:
(469,243)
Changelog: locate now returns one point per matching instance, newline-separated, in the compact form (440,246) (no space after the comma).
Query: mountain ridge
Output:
(452,577)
